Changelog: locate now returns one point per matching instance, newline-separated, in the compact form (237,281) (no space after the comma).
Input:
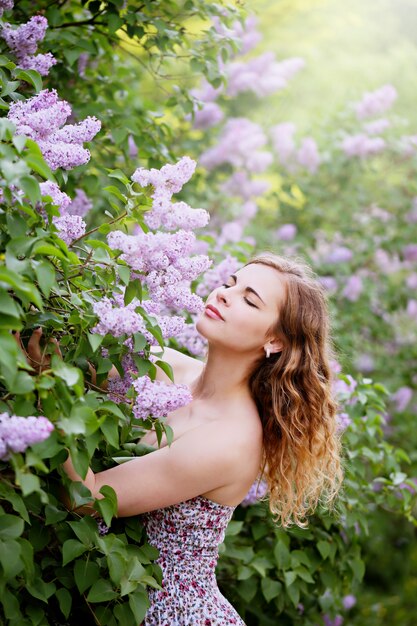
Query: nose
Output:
(221,295)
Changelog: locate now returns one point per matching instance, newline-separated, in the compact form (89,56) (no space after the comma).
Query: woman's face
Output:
(249,303)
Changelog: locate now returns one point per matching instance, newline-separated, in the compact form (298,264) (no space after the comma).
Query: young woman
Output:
(262,406)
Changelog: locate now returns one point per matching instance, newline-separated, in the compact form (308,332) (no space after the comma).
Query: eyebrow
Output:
(248,288)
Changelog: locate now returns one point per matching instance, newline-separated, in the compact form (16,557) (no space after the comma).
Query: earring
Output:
(268,352)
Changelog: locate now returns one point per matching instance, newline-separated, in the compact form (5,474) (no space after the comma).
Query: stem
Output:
(93,230)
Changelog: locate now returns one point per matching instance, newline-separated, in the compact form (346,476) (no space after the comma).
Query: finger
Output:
(34,348)
(57,349)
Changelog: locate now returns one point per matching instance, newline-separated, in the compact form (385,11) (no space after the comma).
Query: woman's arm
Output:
(197,462)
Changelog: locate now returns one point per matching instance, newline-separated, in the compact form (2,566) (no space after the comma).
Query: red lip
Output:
(213,308)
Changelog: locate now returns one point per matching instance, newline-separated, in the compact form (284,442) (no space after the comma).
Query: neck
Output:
(224,377)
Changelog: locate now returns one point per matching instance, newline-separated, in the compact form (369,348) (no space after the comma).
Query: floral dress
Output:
(187,536)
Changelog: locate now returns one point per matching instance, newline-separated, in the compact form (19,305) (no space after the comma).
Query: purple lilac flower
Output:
(59,198)
(238,145)
(411,309)
(343,421)
(18,433)
(308,155)
(377,126)
(132,148)
(191,339)
(344,389)
(167,181)
(410,252)
(70,227)
(258,490)
(353,288)
(23,41)
(283,141)
(411,280)
(157,399)
(230,231)
(328,621)
(329,283)
(286,232)
(262,75)
(247,34)
(365,363)
(376,102)
(218,275)
(362,146)
(6,5)
(165,259)
(349,601)
(402,398)
(41,118)
(80,204)
(102,528)
(239,184)
(82,63)
(339,254)
(248,211)
(210,114)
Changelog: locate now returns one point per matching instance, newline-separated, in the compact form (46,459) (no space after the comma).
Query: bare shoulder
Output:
(184,367)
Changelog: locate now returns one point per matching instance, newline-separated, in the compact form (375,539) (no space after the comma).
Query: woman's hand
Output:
(36,354)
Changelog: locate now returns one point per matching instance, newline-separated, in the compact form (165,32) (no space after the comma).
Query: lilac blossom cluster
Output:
(191,339)
(157,399)
(306,156)
(80,204)
(42,118)
(70,227)
(118,319)
(18,433)
(258,490)
(376,102)
(263,75)
(23,41)
(218,275)
(6,5)
(245,33)
(362,146)
(239,184)
(165,260)
(165,182)
(239,145)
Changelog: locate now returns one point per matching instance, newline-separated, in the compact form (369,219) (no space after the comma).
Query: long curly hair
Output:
(293,393)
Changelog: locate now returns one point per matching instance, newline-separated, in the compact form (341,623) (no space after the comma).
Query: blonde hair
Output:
(293,393)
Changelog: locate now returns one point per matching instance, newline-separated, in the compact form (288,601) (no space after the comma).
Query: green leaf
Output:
(108,505)
(71,375)
(324,548)
(53,515)
(133,290)
(282,555)
(35,160)
(139,603)
(110,430)
(115,192)
(86,573)
(31,188)
(270,588)
(10,559)
(30,76)
(289,578)
(95,341)
(45,274)
(71,549)
(119,175)
(64,601)
(358,568)
(166,367)
(101,591)
(8,305)
(10,526)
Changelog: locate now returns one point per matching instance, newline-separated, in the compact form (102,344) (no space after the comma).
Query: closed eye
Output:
(226,286)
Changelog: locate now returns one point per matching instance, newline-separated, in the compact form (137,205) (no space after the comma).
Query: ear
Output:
(274,345)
